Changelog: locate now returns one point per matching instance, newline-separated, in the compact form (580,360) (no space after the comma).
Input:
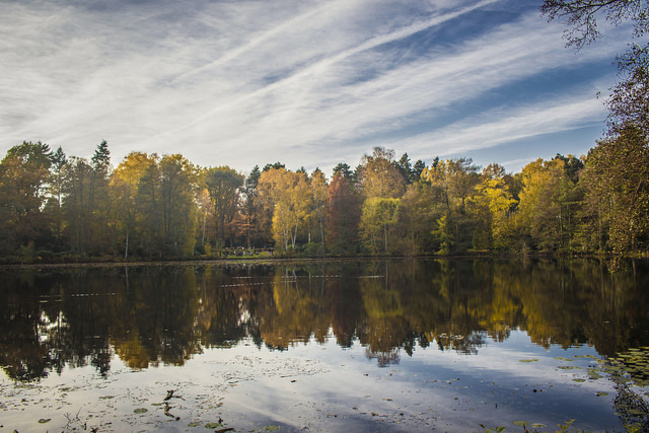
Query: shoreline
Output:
(275,260)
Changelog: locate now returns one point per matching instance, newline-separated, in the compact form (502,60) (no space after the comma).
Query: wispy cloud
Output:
(308,83)
(505,125)
(300,97)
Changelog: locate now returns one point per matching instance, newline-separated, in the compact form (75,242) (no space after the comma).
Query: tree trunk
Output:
(385,236)
(126,249)
(322,238)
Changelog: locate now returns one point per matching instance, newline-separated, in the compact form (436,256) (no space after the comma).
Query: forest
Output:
(55,208)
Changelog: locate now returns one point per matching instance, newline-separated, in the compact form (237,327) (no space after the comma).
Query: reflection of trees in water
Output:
(465,344)
(632,409)
(383,359)
(630,373)
(166,314)
(294,311)
(23,356)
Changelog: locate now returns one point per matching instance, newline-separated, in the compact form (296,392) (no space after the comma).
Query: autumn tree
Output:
(24,173)
(86,206)
(417,215)
(629,103)
(149,203)
(55,201)
(205,213)
(177,189)
(379,175)
(288,194)
(379,218)
(616,182)
(453,182)
(342,216)
(223,185)
(628,111)
(124,185)
(101,228)
(381,182)
(265,205)
(320,192)
(462,179)
(250,205)
(166,196)
(547,205)
(75,206)
(491,207)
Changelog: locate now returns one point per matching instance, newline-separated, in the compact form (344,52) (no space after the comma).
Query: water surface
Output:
(399,345)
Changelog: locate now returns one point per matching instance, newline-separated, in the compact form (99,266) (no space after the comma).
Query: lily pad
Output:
(194,424)
(594,375)
(527,360)
(140,410)
(213,425)
(579,380)
(521,423)
(601,393)
(44,420)
(538,425)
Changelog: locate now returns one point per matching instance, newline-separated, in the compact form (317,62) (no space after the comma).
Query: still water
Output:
(362,346)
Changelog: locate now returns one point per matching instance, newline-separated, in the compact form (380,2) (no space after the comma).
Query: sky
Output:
(309,83)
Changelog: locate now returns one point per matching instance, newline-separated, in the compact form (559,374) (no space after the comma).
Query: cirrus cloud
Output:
(308,83)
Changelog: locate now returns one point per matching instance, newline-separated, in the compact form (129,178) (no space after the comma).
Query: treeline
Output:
(55,208)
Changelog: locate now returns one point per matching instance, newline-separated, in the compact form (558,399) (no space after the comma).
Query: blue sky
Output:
(306,82)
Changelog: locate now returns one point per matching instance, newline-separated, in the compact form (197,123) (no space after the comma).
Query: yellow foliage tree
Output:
(491,207)
(289,195)
(124,183)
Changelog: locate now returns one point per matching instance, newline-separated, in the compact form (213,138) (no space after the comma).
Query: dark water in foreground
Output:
(402,345)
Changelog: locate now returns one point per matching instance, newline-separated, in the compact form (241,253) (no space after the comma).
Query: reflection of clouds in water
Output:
(321,387)
(249,367)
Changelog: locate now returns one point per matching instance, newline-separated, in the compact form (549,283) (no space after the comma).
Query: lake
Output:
(358,346)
